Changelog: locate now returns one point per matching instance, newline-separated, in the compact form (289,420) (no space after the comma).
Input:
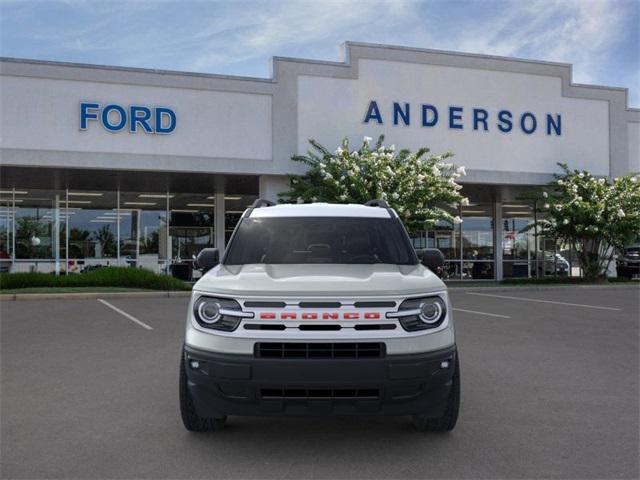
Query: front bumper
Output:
(225,384)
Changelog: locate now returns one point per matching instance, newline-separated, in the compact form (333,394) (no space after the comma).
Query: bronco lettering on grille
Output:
(317,316)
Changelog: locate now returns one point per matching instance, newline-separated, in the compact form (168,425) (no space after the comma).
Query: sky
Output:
(601,38)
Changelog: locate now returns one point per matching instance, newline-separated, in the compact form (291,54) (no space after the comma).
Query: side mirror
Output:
(433,259)
(207,259)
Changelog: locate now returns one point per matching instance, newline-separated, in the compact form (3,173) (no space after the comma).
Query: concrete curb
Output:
(91,295)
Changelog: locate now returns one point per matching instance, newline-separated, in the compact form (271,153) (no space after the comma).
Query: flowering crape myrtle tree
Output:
(416,185)
(595,216)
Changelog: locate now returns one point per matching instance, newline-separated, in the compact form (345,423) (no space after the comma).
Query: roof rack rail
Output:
(377,203)
(261,202)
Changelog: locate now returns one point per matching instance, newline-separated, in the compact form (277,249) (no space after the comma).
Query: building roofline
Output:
(118,68)
(346,63)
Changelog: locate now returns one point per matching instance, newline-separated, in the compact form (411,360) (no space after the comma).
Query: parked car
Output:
(553,264)
(628,263)
(5,262)
(319,310)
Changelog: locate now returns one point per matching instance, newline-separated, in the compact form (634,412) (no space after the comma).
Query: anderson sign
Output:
(460,118)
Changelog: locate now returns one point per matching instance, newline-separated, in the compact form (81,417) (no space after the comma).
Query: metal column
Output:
(497,239)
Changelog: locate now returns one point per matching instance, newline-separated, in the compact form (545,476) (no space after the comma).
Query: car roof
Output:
(320,210)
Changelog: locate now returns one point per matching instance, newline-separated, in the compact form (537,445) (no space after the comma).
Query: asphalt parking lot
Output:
(549,390)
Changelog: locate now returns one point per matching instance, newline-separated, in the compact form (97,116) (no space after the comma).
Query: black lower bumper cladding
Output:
(223,384)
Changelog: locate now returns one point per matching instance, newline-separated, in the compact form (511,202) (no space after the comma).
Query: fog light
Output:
(194,364)
(444,364)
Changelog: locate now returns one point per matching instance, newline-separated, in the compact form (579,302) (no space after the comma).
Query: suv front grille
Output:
(311,393)
(320,350)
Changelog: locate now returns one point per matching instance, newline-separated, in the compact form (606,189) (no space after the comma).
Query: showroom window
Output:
(75,230)
(467,247)
(90,219)
(527,255)
(477,242)
(40,219)
(143,229)
(235,205)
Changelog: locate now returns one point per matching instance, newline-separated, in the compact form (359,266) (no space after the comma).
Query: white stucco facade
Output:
(68,128)
(253,126)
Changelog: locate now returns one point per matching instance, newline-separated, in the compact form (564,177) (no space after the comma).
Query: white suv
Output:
(319,309)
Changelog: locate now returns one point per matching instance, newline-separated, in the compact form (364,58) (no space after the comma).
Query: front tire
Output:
(190,418)
(448,420)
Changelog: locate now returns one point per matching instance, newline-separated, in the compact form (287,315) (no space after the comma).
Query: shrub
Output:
(593,215)
(417,185)
(103,277)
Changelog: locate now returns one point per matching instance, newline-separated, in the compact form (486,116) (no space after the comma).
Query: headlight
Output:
(421,313)
(218,313)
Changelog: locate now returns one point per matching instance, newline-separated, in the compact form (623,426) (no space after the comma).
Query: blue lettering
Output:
(523,123)
(556,125)
(373,112)
(399,112)
(425,115)
(455,113)
(86,114)
(505,124)
(480,116)
(105,118)
(139,115)
(162,112)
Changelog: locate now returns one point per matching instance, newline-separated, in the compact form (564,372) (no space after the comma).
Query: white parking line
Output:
(481,313)
(125,314)
(524,299)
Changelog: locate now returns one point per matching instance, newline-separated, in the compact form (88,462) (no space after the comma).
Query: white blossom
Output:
(392,148)
(339,151)
(546,205)
(459,170)
(621,213)
(343,197)
(464,202)
(367,139)
(565,221)
(457,220)
(545,195)
(395,195)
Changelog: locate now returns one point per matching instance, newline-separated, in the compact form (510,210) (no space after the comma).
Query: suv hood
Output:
(319,280)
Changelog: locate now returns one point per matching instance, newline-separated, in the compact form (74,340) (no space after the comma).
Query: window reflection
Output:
(91,230)
(192,224)
(477,242)
(143,229)
(518,240)
(235,205)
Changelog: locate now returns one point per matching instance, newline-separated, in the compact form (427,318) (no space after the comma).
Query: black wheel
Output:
(447,422)
(190,418)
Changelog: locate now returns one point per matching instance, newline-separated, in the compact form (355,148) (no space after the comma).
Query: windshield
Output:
(345,240)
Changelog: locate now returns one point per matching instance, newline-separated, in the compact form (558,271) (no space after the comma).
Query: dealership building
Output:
(105,165)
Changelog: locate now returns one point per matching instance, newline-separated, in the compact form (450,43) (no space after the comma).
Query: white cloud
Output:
(226,37)
(277,26)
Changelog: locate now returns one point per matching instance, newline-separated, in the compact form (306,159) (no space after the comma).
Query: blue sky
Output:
(600,38)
